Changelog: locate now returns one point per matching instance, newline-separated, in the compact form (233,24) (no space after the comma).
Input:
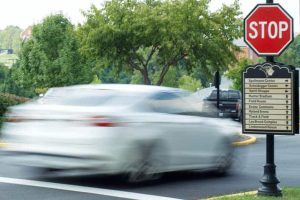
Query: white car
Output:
(137,130)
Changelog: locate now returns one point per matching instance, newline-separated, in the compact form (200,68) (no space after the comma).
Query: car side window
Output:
(169,102)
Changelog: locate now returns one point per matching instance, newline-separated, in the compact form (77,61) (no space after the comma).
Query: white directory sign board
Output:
(270,99)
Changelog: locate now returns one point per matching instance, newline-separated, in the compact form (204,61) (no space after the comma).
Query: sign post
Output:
(217,82)
(270,90)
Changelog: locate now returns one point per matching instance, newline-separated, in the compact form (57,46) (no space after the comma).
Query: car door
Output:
(189,138)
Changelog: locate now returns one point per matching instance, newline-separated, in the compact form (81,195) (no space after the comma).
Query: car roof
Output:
(125,88)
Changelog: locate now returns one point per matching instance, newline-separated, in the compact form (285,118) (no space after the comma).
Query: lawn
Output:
(288,194)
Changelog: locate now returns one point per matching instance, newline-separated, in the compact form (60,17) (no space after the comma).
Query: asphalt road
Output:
(249,169)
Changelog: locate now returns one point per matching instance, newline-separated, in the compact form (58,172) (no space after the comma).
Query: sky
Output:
(23,13)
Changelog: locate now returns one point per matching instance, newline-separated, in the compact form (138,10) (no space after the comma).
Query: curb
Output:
(232,195)
(251,140)
(3,145)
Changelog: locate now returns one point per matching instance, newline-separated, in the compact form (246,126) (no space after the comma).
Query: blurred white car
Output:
(137,130)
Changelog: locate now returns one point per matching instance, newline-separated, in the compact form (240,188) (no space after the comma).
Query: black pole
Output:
(217,81)
(218,97)
(269,180)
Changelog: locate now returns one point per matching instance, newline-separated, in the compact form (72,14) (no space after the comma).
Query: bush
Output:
(189,83)
(7,100)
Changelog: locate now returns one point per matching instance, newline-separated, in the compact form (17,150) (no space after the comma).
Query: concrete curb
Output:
(232,195)
(251,140)
(3,145)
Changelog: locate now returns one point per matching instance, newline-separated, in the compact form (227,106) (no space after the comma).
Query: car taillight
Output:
(104,121)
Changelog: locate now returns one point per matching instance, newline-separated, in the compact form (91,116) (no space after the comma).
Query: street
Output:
(181,185)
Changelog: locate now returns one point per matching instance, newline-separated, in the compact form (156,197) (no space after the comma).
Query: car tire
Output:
(148,164)
(225,161)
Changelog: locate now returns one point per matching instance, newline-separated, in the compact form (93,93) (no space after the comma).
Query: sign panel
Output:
(268,29)
(270,99)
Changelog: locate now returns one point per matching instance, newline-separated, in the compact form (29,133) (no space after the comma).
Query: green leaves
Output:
(10,38)
(234,73)
(172,43)
(51,57)
(189,83)
(291,54)
(153,36)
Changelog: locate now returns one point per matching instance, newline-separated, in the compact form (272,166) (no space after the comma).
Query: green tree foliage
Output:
(96,80)
(51,56)
(13,82)
(189,83)
(291,55)
(234,73)
(10,38)
(3,76)
(7,100)
(151,37)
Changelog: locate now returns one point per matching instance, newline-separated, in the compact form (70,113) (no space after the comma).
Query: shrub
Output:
(189,83)
(7,100)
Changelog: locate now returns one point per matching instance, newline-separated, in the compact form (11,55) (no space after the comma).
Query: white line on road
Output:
(83,189)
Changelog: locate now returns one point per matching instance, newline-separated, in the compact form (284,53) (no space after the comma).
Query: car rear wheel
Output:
(148,165)
(225,161)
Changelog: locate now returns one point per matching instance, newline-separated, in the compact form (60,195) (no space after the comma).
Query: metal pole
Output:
(217,86)
(269,180)
(218,97)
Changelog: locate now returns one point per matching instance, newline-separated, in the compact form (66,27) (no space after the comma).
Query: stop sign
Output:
(268,29)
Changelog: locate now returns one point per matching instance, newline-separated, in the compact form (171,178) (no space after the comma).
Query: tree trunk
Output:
(146,78)
(162,75)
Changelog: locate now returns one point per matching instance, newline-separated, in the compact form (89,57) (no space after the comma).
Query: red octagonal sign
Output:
(268,29)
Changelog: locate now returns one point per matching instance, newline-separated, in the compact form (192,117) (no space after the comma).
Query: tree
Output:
(188,83)
(151,37)
(10,38)
(51,57)
(291,55)
(234,73)
(3,76)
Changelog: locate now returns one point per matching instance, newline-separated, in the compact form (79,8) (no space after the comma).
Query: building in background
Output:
(246,51)
(26,34)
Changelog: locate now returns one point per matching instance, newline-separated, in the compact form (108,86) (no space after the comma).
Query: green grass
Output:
(288,194)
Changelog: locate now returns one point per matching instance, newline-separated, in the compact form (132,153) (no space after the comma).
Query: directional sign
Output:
(270,99)
(268,29)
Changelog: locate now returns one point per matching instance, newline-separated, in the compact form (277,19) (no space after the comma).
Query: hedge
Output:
(7,100)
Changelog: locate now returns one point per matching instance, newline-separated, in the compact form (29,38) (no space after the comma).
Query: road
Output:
(14,184)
